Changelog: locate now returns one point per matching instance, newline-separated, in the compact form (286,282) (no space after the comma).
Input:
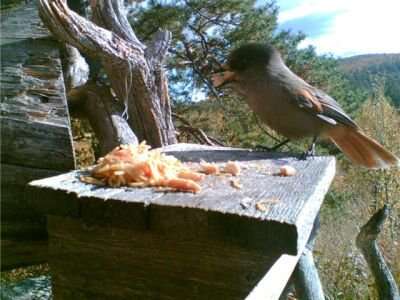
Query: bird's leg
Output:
(310,152)
(274,148)
(125,114)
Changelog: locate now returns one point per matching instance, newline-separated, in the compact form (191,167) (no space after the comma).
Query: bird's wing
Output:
(323,106)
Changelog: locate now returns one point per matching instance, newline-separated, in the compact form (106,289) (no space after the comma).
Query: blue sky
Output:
(344,27)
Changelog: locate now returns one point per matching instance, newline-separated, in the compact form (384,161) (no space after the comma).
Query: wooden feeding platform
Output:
(130,243)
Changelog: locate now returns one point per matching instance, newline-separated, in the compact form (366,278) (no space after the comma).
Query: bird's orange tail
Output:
(361,149)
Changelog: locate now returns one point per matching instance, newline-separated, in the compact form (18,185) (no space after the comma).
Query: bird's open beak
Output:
(221,78)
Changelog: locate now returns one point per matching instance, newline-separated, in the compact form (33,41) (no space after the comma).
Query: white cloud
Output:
(311,7)
(359,26)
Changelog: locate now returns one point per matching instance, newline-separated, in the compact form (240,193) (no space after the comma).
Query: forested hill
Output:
(364,70)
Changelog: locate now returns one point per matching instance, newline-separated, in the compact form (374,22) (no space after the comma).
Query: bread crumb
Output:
(236,184)
(287,170)
(209,168)
(232,167)
(265,204)
(262,206)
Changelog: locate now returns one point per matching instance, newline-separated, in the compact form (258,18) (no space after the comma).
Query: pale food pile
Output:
(138,166)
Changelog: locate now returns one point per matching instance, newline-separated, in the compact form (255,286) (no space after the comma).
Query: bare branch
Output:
(367,243)
(198,71)
(197,133)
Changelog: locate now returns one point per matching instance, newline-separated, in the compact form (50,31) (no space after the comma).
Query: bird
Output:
(294,108)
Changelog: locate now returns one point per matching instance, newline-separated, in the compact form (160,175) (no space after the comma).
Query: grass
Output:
(19,274)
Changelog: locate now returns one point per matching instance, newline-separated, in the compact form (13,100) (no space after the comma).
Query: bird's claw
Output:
(310,152)
(125,114)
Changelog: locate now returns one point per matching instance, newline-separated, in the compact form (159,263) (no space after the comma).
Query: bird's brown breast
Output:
(274,104)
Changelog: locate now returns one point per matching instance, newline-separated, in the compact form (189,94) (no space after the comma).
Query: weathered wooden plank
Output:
(37,145)
(298,197)
(21,23)
(35,129)
(126,264)
(12,175)
(14,202)
(23,253)
(31,229)
(23,229)
(34,116)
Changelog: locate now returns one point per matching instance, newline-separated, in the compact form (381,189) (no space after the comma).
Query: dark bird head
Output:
(251,56)
(249,59)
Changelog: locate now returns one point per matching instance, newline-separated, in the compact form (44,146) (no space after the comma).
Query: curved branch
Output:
(68,26)
(197,133)
(367,243)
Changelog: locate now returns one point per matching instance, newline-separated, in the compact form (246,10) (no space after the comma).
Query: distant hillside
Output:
(362,71)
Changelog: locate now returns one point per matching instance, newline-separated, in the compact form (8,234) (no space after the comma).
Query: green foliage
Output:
(380,120)
(202,33)
(363,70)
(9,4)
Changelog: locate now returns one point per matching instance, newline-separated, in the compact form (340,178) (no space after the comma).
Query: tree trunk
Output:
(104,114)
(135,70)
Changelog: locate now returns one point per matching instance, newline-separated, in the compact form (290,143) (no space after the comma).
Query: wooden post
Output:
(306,279)
(36,139)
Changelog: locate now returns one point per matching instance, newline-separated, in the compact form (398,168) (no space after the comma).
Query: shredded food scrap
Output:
(138,166)
(232,168)
(209,168)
